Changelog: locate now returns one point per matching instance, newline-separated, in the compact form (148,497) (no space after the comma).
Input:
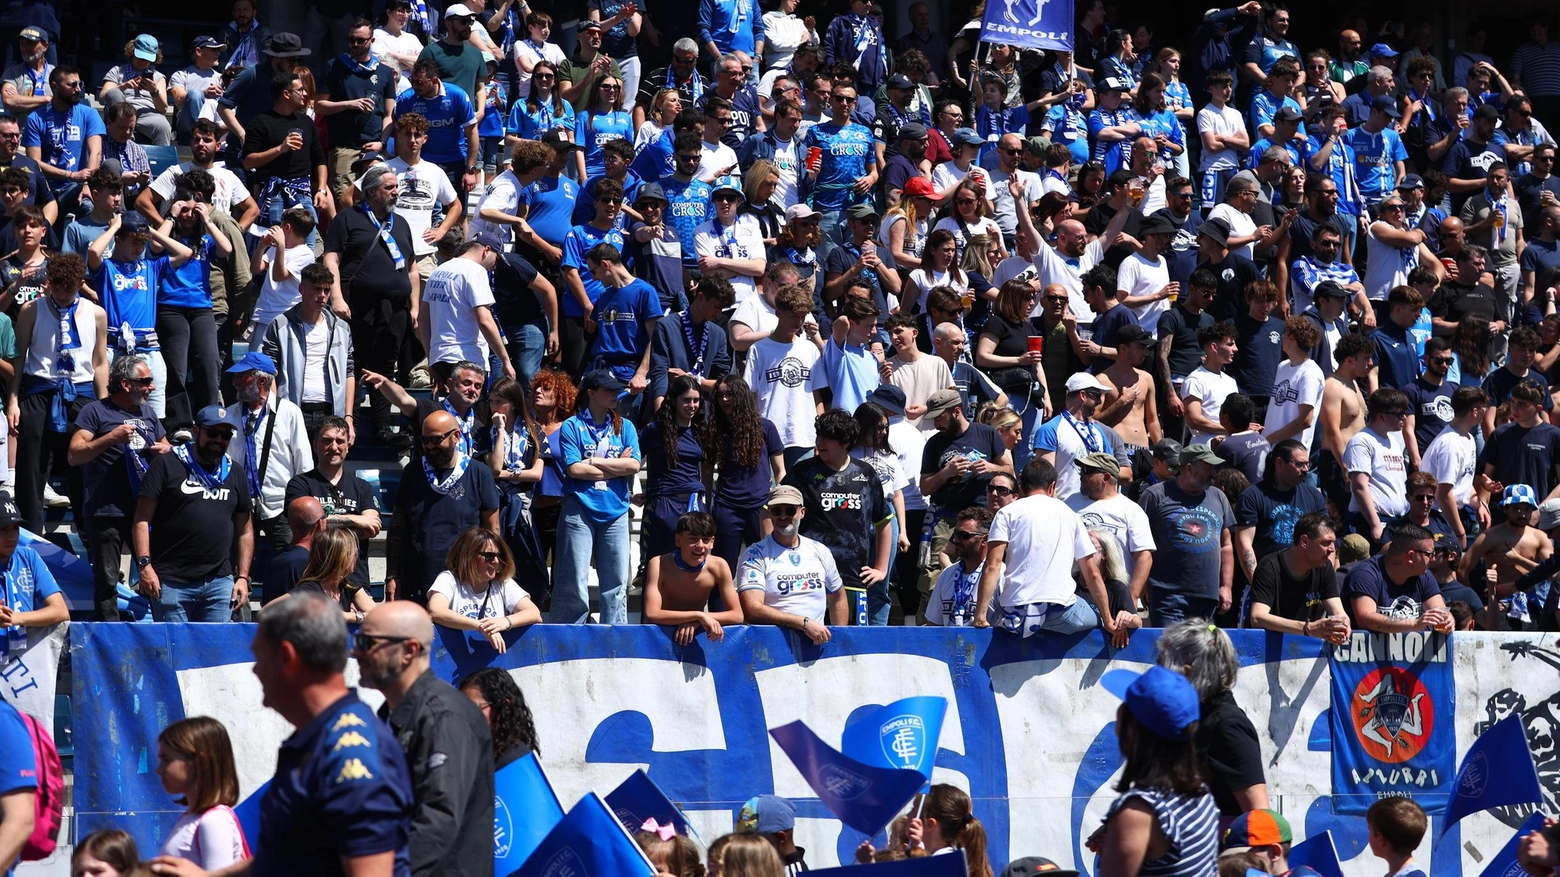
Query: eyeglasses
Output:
(724,120)
(489,556)
(1302,465)
(431,440)
(367,642)
(961,535)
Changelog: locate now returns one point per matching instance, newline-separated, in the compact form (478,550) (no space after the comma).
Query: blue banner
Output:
(1504,863)
(1035,24)
(1318,853)
(902,735)
(1393,720)
(525,809)
(248,813)
(638,798)
(949,864)
(1497,771)
(863,796)
(589,842)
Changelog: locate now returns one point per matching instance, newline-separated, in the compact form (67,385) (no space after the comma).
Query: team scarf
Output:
(443,486)
(209,480)
(467,423)
(364,69)
(68,340)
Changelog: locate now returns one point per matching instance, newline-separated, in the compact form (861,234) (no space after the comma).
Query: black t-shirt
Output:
(1233,273)
(481,425)
(1298,598)
(428,522)
(351,128)
(1501,382)
(192,529)
(978,442)
(1012,338)
(39,192)
(107,476)
(1523,455)
(1273,513)
(1530,194)
(1301,231)
(350,495)
(267,130)
(1453,301)
(843,511)
(514,302)
(1099,216)
(1181,328)
(1227,744)
(368,272)
(1259,349)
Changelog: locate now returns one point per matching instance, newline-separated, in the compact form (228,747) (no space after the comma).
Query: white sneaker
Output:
(52,499)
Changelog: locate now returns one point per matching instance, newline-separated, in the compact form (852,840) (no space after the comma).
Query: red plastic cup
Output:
(814,158)
(1037,344)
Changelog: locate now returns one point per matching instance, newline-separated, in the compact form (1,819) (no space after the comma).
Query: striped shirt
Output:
(1190,823)
(1537,68)
(1308,272)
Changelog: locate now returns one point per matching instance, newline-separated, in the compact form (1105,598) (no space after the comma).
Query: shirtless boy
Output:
(1129,406)
(678,584)
(1343,411)
(1511,547)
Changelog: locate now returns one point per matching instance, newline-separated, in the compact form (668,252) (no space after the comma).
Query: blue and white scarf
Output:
(209,480)
(443,486)
(252,424)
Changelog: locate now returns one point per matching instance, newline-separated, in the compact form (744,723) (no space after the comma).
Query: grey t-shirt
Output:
(1188,531)
(29,82)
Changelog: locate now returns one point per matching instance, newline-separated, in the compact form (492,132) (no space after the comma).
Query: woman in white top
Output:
(395,47)
(195,764)
(477,590)
(783,34)
(1392,251)
(969,214)
(947,823)
(903,235)
(663,109)
(939,267)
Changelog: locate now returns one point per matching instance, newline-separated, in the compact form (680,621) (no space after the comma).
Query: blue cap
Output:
(208,42)
(253,361)
(729,181)
(132,222)
(1163,701)
(217,415)
(1411,181)
(602,379)
(146,47)
(1387,104)
(1517,494)
(766,814)
(967,137)
(1381,50)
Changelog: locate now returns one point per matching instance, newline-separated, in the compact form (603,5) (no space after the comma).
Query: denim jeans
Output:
(207,600)
(582,544)
(1167,607)
(1033,618)
(527,345)
(833,233)
(878,600)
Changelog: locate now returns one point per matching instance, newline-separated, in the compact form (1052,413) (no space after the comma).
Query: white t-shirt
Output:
(1002,204)
(194,79)
(926,279)
(953,598)
(1382,458)
(503,195)
(1226,122)
(788,158)
(1451,458)
(962,233)
(423,187)
(796,580)
(1044,538)
(230,189)
(1057,268)
(496,602)
(453,293)
(1138,276)
(920,379)
(526,49)
(277,297)
(784,376)
(405,44)
(211,840)
(1292,387)
(1125,520)
(1210,389)
(948,174)
(1064,438)
(915,238)
(714,158)
(909,443)
(1240,225)
(1386,266)
(316,350)
(743,239)
(755,313)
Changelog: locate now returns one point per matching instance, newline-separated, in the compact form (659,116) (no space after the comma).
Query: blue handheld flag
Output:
(1319,853)
(638,798)
(525,809)
(589,842)
(902,735)
(947,865)
(1497,771)
(863,796)
(248,813)
(1036,24)
(1504,863)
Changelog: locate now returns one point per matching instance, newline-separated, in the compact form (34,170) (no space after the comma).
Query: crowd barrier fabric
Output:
(1029,732)
(28,677)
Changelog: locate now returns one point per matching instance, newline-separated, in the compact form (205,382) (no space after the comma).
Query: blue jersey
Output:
(18,767)
(623,318)
(1254,156)
(341,788)
(129,292)
(448,114)
(656,159)
(1067,125)
(595,130)
(579,439)
(189,285)
(1375,158)
(492,124)
(730,24)
(992,124)
(1264,105)
(1117,154)
(581,238)
(549,203)
(62,136)
(1341,167)
(687,208)
(847,156)
(28,582)
(532,124)
(1164,122)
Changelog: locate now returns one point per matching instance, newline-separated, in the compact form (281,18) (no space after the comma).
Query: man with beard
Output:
(448,745)
(459,61)
(1266,512)
(680,585)
(1296,590)
(205,153)
(1511,547)
(952,601)
(1429,400)
(789,580)
(1102,507)
(1322,264)
(462,399)
(1190,522)
(442,495)
(192,518)
(1072,434)
(345,499)
(1230,267)
(275,448)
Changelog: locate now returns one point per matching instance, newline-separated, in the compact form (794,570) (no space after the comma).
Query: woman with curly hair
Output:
(749,458)
(674,464)
(514,732)
(552,401)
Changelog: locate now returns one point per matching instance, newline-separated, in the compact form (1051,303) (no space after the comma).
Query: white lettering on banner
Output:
(1372,648)
(28,679)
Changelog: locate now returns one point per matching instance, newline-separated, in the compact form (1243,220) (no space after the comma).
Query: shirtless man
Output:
(678,585)
(1343,410)
(1129,406)
(1511,548)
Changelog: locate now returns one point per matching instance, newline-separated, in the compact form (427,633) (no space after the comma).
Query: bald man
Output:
(1074,254)
(948,342)
(448,745)
(443,494)
(306,517)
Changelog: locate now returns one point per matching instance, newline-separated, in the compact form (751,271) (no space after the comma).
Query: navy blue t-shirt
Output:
(1523,455)
(1259,349)
(110,491)
(1396,357)
(1273,513)
(1501,381)
(1106,326)
(433,520)
(684,474)
(739,487)
(1431,407)
(1403,602)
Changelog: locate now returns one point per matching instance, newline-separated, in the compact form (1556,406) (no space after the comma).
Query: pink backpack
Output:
(50,802)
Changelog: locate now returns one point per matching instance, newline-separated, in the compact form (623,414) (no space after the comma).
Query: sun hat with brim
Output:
(1549,514)
(286,45)
(1163,701)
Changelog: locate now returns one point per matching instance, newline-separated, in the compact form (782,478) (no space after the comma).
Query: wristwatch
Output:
(143,561)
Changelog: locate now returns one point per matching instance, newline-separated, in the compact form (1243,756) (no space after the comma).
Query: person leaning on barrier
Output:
(477,590)
(448,745)
(789,580)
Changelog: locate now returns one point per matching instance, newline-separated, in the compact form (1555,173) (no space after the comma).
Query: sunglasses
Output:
(547,76)
(962,535)
(999,490)
(142,382)
(783,511)
(367,642)
(489,556)
(606,200)
(725,198)
(431,440)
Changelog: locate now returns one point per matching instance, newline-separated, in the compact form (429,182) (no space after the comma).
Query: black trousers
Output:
(37,452)
(383,342)
(188,337)
(110,538)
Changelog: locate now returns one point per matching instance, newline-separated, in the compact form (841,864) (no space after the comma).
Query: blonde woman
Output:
(663,109)
(1004,420)
(982,253)
(332,558)
(477,590)
(758,187)
(903,235)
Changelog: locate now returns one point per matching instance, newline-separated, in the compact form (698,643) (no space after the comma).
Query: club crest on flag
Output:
(1393,714)
(845,784)
(503,827)
(1475,775)
(564,863)
(903,739)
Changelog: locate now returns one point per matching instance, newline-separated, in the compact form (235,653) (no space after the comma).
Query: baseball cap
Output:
(132,222)
(1163,701)
(1101,461)
(1518,494)
(1353,548)
(1085,381)
(1196,453)
(1487,112)
(560,138)
(458,10)
(490,238)
(1217,230)
(253,361)
(912,131)
(1411,181)
(589,24)
(943,400)
(1286,113)
(1133,332)
(651,192)
(1451,546)
(1549,514)
(766,814)
(1031,866)
(899,80)
(1158,224)
(145,47)
(9,513)
(800,210)
(727,182)
(1167,449)
(1037,145)
(967,137)
(208,42)
(889,398)
(602,379)
(216,415)
(784,494)
(1329,288)
(1255,828)
(862,211)
(34,34)
(1387,104)
(1382,50)
(919,187)
(1114,83)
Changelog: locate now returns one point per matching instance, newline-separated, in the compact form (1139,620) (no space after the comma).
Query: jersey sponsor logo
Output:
(353,770)
(123,282)
(351,738)
(692,209)
(797,583)
(349,720)
(195,488)
(841,501)
(1441,407)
